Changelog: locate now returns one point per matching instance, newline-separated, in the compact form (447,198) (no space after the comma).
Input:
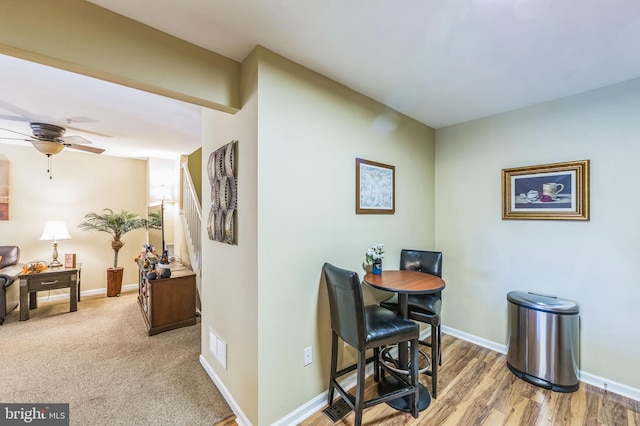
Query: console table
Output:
(168,303)
(52,278)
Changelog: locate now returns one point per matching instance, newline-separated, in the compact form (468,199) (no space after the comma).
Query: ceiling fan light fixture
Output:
(47,131)
(48,147)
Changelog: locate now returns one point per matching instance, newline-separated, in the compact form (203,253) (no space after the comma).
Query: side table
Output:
(52,278)
(168,303)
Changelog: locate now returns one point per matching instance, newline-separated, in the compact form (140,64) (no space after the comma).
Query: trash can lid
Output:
(543,302)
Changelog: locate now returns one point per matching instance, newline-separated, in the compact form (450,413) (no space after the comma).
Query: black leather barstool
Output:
(425,307)
(366,327)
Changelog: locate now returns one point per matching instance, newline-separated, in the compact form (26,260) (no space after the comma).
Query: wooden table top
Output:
(49,271)
(409,282)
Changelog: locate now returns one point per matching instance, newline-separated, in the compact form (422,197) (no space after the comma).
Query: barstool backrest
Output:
(422,261)
(346,304)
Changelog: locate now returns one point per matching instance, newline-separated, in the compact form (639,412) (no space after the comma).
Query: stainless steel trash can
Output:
(543,340)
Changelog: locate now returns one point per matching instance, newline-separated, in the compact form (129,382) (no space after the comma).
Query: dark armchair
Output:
(10,269)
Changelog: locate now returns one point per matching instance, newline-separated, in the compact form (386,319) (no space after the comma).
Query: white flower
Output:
(375,252)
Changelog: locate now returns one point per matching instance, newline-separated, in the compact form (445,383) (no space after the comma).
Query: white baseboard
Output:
(299,414)
(93,292)
(591,379)
(241,418)
(319,402)
(610,386)
(502,349)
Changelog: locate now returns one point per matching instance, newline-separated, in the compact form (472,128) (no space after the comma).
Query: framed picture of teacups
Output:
(375,187)
(558,191)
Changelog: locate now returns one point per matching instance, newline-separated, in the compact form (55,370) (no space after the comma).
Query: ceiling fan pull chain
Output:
(49,165)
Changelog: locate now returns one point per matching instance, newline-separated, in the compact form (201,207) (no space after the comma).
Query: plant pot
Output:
(377,267)
(114,281)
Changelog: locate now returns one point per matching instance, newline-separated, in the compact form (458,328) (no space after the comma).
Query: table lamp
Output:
(54,231)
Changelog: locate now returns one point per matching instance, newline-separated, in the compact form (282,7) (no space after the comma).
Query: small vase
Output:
(377,267)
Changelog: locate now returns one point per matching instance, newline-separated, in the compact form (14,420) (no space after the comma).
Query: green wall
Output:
(78,36)
(194,162)
(593,263)
(296,211)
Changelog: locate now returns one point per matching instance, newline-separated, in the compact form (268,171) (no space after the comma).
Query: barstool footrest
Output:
(389,362)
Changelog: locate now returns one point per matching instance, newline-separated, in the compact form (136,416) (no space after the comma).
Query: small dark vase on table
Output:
(377,266)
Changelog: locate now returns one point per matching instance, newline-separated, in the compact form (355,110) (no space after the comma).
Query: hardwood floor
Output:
(229,421)
(475,387)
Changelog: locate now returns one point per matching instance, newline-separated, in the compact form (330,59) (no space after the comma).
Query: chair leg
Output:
(376,365)
(414,378)
(359,405)
(435,360)
(334,366)
(439,345)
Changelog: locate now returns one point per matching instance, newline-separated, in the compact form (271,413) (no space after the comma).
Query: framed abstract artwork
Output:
(375,188)
(558,191)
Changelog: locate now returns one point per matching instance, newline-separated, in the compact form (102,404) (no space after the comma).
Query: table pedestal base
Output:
(389,384)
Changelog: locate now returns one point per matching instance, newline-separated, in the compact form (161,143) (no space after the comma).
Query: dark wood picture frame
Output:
(558,191)
(375,187)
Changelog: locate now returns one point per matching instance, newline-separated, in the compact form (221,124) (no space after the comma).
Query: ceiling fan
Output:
(49,139)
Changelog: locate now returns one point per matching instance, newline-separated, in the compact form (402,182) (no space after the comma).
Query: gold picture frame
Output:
(558,191)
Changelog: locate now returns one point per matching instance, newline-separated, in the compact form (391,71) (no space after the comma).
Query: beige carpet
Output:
(101,361)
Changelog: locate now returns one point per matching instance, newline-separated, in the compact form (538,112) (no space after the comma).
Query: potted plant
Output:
(115,224)
(375,254)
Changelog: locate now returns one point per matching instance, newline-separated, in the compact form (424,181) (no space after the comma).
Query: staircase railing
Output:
(192,216)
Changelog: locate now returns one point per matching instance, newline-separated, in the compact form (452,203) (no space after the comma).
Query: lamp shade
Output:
(55,230)
(48,147)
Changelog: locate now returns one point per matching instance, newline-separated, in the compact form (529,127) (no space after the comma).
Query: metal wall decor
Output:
(221,169)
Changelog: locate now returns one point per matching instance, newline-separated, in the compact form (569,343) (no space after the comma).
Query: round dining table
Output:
(404,283)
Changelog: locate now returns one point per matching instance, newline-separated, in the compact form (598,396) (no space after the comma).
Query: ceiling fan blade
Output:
(16,139)
(91,132)
(78,140)
(19,133)
(86,148)
(15,110)
(13,118)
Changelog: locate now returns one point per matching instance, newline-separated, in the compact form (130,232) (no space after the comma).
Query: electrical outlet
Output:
(308,355)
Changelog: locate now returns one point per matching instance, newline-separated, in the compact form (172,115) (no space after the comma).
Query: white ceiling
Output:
(440,62)
(123,121)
